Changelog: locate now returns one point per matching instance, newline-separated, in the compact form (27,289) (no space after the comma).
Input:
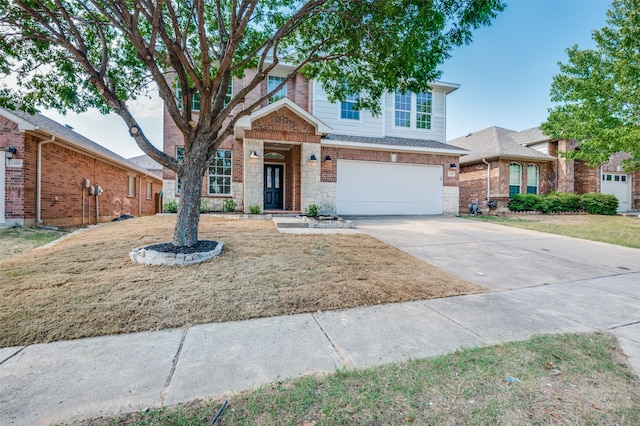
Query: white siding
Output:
(437,131)
(329,113)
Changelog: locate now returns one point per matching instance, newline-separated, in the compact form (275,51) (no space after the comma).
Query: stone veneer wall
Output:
(309,175)
(253,174)
(451,197)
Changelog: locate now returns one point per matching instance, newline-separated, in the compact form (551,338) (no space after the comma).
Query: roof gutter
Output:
(39,177)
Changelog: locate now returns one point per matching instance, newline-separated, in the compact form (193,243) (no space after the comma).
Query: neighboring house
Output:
(302,149)
(51,175)
(149,164)
(505,162)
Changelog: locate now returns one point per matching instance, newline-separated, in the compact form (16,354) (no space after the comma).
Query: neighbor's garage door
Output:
(372,188)
(618,185)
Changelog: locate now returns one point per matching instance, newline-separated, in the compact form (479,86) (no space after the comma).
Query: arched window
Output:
(533,174)
(515,179)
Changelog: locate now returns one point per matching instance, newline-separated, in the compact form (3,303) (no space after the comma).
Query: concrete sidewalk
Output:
(86,378)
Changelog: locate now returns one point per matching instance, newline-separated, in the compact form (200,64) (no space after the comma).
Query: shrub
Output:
(254,209)
(596,203)
(557,202)
(524,203)
(203,205)
(230,205)
(171,207)
(312,210)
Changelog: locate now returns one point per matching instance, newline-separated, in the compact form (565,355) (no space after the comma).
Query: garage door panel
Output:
(388,188)
(618,185)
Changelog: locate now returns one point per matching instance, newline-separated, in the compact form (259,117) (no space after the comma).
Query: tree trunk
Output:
(185,232)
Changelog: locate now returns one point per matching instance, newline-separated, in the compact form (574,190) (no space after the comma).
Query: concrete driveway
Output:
(501,257)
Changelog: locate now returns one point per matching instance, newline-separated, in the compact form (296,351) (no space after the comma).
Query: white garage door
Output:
(618,185)
(373,188)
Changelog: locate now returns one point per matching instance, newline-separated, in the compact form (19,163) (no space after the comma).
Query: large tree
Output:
(598,92)
(77,54)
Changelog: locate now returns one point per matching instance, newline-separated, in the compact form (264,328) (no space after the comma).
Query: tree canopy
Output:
(598,92)
(77,54)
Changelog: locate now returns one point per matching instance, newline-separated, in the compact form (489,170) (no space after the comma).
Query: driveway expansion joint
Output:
(12,355)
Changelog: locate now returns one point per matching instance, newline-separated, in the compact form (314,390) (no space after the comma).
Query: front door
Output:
(272,187)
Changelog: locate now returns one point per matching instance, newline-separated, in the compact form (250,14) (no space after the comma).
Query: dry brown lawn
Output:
(87,286)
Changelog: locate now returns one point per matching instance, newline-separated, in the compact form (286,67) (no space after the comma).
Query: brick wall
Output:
(282,125)
(63,169)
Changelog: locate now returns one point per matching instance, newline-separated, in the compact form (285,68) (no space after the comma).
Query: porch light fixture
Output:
(10,151)
(313,158)
(453,166)
(254,154)
(327,158)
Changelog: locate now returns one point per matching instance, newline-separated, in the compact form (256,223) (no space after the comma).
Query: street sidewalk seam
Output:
(176,358)
(338,351)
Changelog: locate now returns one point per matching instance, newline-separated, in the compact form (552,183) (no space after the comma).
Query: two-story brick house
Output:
(51,175)
(300,149)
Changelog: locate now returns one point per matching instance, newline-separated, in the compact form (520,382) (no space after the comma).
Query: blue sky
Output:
(505,74)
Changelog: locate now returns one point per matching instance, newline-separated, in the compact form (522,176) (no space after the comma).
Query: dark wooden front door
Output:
(272,187)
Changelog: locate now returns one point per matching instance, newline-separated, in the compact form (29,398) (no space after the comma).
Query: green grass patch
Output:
(623,231)
(561,379)
(39,236)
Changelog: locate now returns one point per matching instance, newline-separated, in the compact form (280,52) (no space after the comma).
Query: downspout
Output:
(488,181)
(39,177)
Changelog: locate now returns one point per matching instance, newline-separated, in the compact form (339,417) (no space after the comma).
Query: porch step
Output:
(289,222)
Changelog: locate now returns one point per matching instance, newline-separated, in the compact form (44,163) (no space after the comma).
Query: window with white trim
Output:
(274,81)
(131,187)
(149,190)
(195,101)
(348,110)
(424,105)
(220,173)
(402,107)
(515,179)
(229,95)
(533,175)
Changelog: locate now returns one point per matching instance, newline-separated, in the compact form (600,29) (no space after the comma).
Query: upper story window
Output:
(273,82)
(423,110)
(195,102)
(348,110)
(220,173)
(402,107)
(533,173)
(407,104)
(229,94)
(515,179)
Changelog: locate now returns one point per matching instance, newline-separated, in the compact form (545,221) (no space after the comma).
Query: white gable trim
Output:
(246,122)
(22,123)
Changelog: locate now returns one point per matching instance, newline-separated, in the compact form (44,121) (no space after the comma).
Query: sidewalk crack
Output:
(176,358)
(337,350)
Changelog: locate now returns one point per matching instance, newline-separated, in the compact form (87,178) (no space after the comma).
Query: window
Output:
(533,173)
(179,157)
(403,109)
(131,189)
(220,173)
(423,110)
(195,102)
(229,95)
(149,190)
(515,177)
(348,110)
(272,83)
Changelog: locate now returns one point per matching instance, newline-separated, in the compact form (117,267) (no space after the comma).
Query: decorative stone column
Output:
(253,174)
(310,175)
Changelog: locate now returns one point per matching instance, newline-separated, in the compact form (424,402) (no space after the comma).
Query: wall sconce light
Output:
(254,154)
(10,151)
(327,158)
(313,158)
(453,166)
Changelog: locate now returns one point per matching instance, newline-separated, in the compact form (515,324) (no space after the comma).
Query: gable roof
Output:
(246,122)
(64,134)
(498,142)
(148,163)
